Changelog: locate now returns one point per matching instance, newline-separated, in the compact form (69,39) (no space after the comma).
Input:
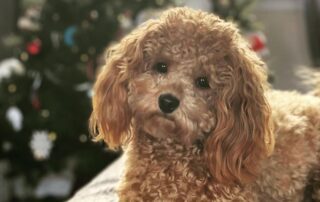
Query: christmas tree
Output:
(45,91)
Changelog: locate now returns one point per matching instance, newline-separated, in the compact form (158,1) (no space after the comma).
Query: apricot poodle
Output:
(189,103)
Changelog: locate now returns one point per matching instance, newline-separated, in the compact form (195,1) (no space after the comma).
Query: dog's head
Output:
(188,76)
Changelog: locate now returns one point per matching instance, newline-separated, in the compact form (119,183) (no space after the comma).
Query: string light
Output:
(45,113)
(84,58)
(94,14)
(24,56)
(12,88)
(52,136)
(83,138)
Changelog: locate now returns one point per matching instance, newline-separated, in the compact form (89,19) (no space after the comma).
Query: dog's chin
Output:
(160,126)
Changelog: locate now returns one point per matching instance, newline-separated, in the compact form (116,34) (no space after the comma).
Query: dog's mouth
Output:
(159,126)
(163,126)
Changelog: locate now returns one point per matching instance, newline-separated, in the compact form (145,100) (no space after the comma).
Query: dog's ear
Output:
(242,135)
(111,117)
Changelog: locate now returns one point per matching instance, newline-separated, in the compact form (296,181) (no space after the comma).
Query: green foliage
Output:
(238,11)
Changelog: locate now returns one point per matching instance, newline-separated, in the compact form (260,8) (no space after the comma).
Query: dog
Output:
(189,103)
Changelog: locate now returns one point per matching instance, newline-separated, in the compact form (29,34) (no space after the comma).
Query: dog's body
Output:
(296,158)
(166,171)
(189,102)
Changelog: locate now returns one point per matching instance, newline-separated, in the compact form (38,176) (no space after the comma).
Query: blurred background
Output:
(50,51)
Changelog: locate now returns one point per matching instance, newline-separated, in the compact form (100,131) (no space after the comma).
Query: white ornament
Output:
(83,86)
(41,145)
(15,117)
(10,66)
(56,185)
(30,21)
(125,22)
(90,93)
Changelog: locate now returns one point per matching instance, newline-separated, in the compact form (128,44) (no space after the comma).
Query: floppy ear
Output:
(111,117)
(242,136)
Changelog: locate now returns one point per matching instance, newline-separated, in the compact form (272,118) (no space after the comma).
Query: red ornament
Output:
(257,43)
(35,101)
(34,47)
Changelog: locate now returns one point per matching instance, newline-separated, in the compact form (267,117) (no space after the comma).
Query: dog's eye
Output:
(202,82)
(161,67)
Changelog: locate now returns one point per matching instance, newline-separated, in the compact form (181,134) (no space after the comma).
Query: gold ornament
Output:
(83,138)
(45,113)
(24,56)
(12,88)
(84,58)
(52,136)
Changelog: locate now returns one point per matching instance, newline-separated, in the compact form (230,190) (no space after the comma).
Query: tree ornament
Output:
(125,21)
(92,50)
(15,117)
(53,136)
(34,47)
(90,93)
(31,20)
(82,87)
(24,56)
(12,88)
(83,138)
(35,101)
(11,66)
(69,35)
(84,58)
(257,41)
(41,145)
(45,113)
(94,14)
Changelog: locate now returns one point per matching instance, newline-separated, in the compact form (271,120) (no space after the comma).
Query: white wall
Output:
(284,26)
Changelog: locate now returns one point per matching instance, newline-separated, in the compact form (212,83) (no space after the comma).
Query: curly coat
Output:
(218,144)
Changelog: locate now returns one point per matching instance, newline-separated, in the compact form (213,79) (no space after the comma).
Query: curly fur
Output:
(215,145)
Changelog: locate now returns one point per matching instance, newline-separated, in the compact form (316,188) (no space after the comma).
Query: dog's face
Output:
(187,76)
(171,92)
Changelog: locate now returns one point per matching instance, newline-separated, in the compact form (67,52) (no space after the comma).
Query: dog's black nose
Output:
(168,103)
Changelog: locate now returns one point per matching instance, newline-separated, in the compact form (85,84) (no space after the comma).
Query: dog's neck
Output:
(154,164)
(164,151)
